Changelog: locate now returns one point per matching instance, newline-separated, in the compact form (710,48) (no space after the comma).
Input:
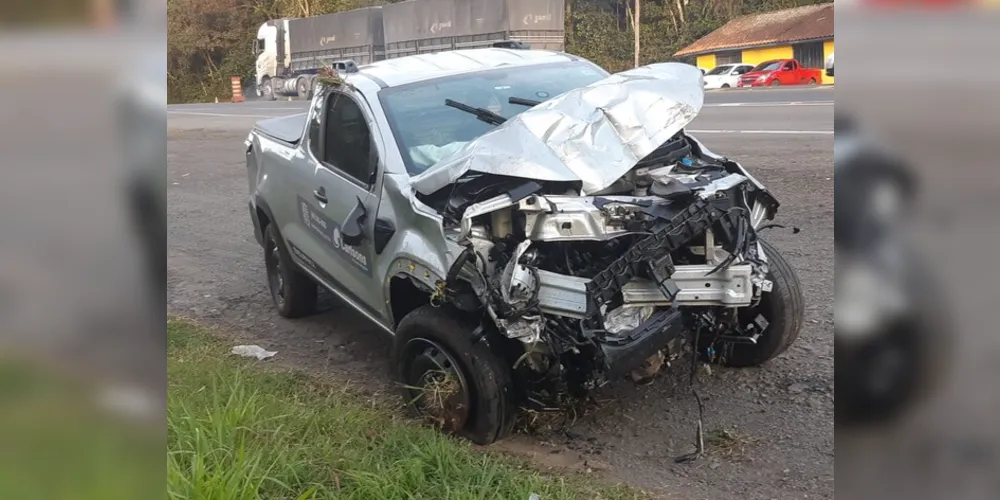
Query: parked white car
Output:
(829,65)
(725,76)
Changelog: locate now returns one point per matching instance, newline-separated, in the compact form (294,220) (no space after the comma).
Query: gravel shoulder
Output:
(778,418)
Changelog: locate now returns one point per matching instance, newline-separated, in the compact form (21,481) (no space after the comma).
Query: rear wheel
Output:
(303,89)
(451,378)
(725,85)
(812,81)
(294,293)
(784,310)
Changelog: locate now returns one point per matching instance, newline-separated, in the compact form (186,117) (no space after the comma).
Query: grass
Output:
(729,444)
(240,430)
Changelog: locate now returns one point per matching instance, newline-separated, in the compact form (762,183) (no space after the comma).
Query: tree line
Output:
(208,41)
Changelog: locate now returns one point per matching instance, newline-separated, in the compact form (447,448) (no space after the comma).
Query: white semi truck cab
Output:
(266,50)
(289,52)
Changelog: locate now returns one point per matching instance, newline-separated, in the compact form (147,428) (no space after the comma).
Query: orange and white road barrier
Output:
(237,90)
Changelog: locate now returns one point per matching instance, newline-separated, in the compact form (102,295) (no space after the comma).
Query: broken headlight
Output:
(625,318)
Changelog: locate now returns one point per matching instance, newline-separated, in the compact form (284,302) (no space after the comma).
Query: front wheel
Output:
(900,363)
(266,90)
(452,378)
(725,85)
(775,83)
(783,308)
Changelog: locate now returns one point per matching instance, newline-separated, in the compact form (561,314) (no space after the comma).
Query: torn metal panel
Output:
(730,287)
(593,135)
(562,295)
(569,218)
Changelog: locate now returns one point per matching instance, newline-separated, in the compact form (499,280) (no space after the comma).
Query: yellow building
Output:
(803,33)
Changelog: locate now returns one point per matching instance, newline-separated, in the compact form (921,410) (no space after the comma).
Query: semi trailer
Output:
(289,52)
(426,26)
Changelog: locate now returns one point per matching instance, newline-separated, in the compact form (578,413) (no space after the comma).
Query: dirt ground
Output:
(772,426)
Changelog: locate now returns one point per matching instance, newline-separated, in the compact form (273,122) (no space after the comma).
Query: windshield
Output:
(427,130)
(768,66)
(720,70)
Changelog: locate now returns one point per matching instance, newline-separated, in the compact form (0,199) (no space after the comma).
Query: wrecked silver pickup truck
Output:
(527,226)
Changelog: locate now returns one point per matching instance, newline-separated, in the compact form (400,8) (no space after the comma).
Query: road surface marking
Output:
(223,115)
(777,132)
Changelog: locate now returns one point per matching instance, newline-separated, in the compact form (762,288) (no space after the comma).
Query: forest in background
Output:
(210,40)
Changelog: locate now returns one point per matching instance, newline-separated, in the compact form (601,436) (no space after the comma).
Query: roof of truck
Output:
(420,67)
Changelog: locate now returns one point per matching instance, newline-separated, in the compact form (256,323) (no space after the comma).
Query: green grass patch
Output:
(239,430)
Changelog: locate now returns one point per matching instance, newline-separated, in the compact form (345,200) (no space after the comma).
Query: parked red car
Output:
(780,72)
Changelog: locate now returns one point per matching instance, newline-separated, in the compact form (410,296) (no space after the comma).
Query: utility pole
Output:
(635,31)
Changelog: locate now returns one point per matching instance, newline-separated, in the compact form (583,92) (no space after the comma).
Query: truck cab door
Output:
(789,74)
(340,210)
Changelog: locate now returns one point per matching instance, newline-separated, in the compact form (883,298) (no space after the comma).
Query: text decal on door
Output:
(328,232)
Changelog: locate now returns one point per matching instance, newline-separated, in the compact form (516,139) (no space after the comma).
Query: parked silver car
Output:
(526,225)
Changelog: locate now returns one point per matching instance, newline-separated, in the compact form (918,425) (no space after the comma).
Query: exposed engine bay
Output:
(594,285)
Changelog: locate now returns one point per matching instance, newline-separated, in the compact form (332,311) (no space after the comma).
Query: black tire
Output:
(267,90)
(489,389)
(293,292)
(784,309)
(775,83)
(303,88)
(812,81)
(725,85)
(922,346)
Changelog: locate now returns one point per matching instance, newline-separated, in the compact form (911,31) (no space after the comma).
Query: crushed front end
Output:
(593,286)
(596,234)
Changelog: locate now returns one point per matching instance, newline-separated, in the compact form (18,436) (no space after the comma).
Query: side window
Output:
(347,142)
(315,127)
(789,66)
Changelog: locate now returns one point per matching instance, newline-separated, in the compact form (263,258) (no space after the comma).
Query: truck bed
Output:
(285,128)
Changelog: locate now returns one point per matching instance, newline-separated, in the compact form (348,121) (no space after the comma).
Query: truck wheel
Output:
(303,88)
(293,292)
(812,81)
(266,90)
(783,308)
(451,378)
(775,83)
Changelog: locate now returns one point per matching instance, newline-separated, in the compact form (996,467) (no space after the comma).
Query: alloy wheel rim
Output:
(277,279)
(435,385)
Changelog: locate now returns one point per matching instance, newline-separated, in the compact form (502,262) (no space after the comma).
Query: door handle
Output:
(320,195)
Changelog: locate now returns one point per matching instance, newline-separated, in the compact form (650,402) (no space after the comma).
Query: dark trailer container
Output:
(315,42)
(423,26)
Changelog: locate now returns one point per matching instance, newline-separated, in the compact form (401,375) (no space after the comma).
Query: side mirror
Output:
(353,232)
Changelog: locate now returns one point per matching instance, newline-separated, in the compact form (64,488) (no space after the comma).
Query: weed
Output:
(241,430)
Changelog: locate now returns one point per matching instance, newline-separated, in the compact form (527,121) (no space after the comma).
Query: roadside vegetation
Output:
(208,41)
(243,429)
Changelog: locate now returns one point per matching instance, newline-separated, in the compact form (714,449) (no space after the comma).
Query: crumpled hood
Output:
(594,134)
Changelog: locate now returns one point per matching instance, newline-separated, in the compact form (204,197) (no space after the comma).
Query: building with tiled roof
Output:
(803,33)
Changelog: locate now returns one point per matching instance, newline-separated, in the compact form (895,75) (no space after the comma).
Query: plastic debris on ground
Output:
(253,351)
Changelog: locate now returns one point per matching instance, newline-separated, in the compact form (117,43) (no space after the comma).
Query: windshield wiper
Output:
(482,114)
(523,102)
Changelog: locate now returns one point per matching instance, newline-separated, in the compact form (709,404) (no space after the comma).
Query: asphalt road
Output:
(780,414)
(805,110)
